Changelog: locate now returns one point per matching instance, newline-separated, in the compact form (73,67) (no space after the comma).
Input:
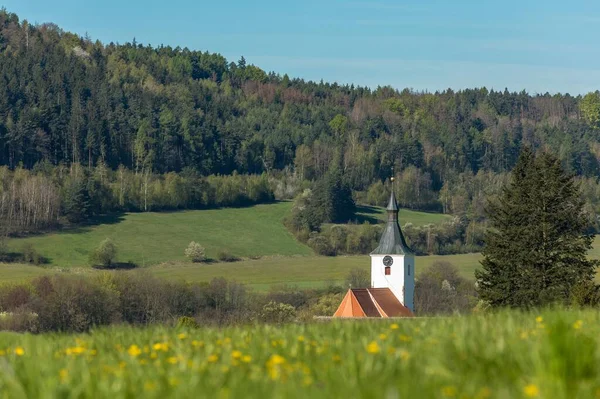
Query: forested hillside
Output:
(68,100)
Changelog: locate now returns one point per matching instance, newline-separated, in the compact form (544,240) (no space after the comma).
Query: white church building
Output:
(392,276)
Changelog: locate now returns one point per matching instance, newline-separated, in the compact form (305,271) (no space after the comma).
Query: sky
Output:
(539,46)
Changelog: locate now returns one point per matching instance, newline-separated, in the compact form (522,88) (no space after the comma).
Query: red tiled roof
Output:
(371,302)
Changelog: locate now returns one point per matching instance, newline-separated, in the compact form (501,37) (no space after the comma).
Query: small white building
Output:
(392,277)
(392,262)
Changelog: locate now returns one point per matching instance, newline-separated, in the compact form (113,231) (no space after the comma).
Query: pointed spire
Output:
(392,240)
(392,204)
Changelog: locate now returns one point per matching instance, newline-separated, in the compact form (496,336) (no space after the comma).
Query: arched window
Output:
(388,270)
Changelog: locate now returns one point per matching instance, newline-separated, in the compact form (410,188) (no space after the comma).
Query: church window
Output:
(388,270)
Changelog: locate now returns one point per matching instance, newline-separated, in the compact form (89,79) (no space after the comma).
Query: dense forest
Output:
(68,100)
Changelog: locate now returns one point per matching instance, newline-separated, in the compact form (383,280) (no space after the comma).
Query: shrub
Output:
(440,290)
(187,322)
(30,255)
(195,252)
(327,305)
(105,254)
(358,278)
(225,256)
(279,313)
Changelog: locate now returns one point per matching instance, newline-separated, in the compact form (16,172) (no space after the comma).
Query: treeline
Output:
(68,99)
(38,199)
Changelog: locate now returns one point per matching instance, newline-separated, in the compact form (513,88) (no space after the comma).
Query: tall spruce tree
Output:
(535,250)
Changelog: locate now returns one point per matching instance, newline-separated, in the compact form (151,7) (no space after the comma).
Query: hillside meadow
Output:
(152,238)
(504,355)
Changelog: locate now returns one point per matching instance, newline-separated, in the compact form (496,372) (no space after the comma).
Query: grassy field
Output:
(506,355)
(153,238)
(313,271)
(302,271)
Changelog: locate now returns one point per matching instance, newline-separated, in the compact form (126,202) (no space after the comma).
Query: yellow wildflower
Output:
(276,360)
(373,347)
(2,353)
(197,344)
(182,336)
(77,350)
(63,374)
(394,326)
(382,336)
(405,338)
(134,350)
(160,346)
(577,325)
(539,319)
(172,360)
(301,338)
(246,359)
(449,391)
(531,391)
(213,358)
(19,351)
(236,354)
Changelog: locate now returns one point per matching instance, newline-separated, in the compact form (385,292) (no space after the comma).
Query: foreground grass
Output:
(505,355)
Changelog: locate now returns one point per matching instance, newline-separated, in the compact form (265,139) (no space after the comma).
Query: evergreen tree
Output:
(332,199)
(535,250)
(76,201)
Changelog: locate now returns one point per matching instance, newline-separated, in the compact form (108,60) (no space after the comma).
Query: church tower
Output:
(392,262)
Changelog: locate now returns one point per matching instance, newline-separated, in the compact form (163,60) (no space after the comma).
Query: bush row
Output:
(72,303)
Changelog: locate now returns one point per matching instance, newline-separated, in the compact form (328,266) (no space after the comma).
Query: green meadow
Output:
(153,238)
(156,242)
(552,354)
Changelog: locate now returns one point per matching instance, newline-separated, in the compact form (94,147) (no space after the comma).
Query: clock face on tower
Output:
(388,260)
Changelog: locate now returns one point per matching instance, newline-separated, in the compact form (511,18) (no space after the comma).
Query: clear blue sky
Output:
(542,45)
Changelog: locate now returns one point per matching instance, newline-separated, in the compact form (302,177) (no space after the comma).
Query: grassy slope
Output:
(499,355)
(151,238)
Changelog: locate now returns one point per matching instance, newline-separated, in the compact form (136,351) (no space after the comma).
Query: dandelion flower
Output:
(213,358)
(236,354)
(394,326)
(539,319)
(134,350)
(373,347)
(19,351)
(577,325)
(531,390)
(172,360)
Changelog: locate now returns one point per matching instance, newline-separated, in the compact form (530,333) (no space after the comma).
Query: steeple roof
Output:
(392,240)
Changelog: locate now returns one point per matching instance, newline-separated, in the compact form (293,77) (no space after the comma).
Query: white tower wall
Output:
(401,280)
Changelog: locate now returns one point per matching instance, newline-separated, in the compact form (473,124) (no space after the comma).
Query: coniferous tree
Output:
(535,250)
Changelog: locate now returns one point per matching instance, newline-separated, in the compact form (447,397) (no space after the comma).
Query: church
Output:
(392,276)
